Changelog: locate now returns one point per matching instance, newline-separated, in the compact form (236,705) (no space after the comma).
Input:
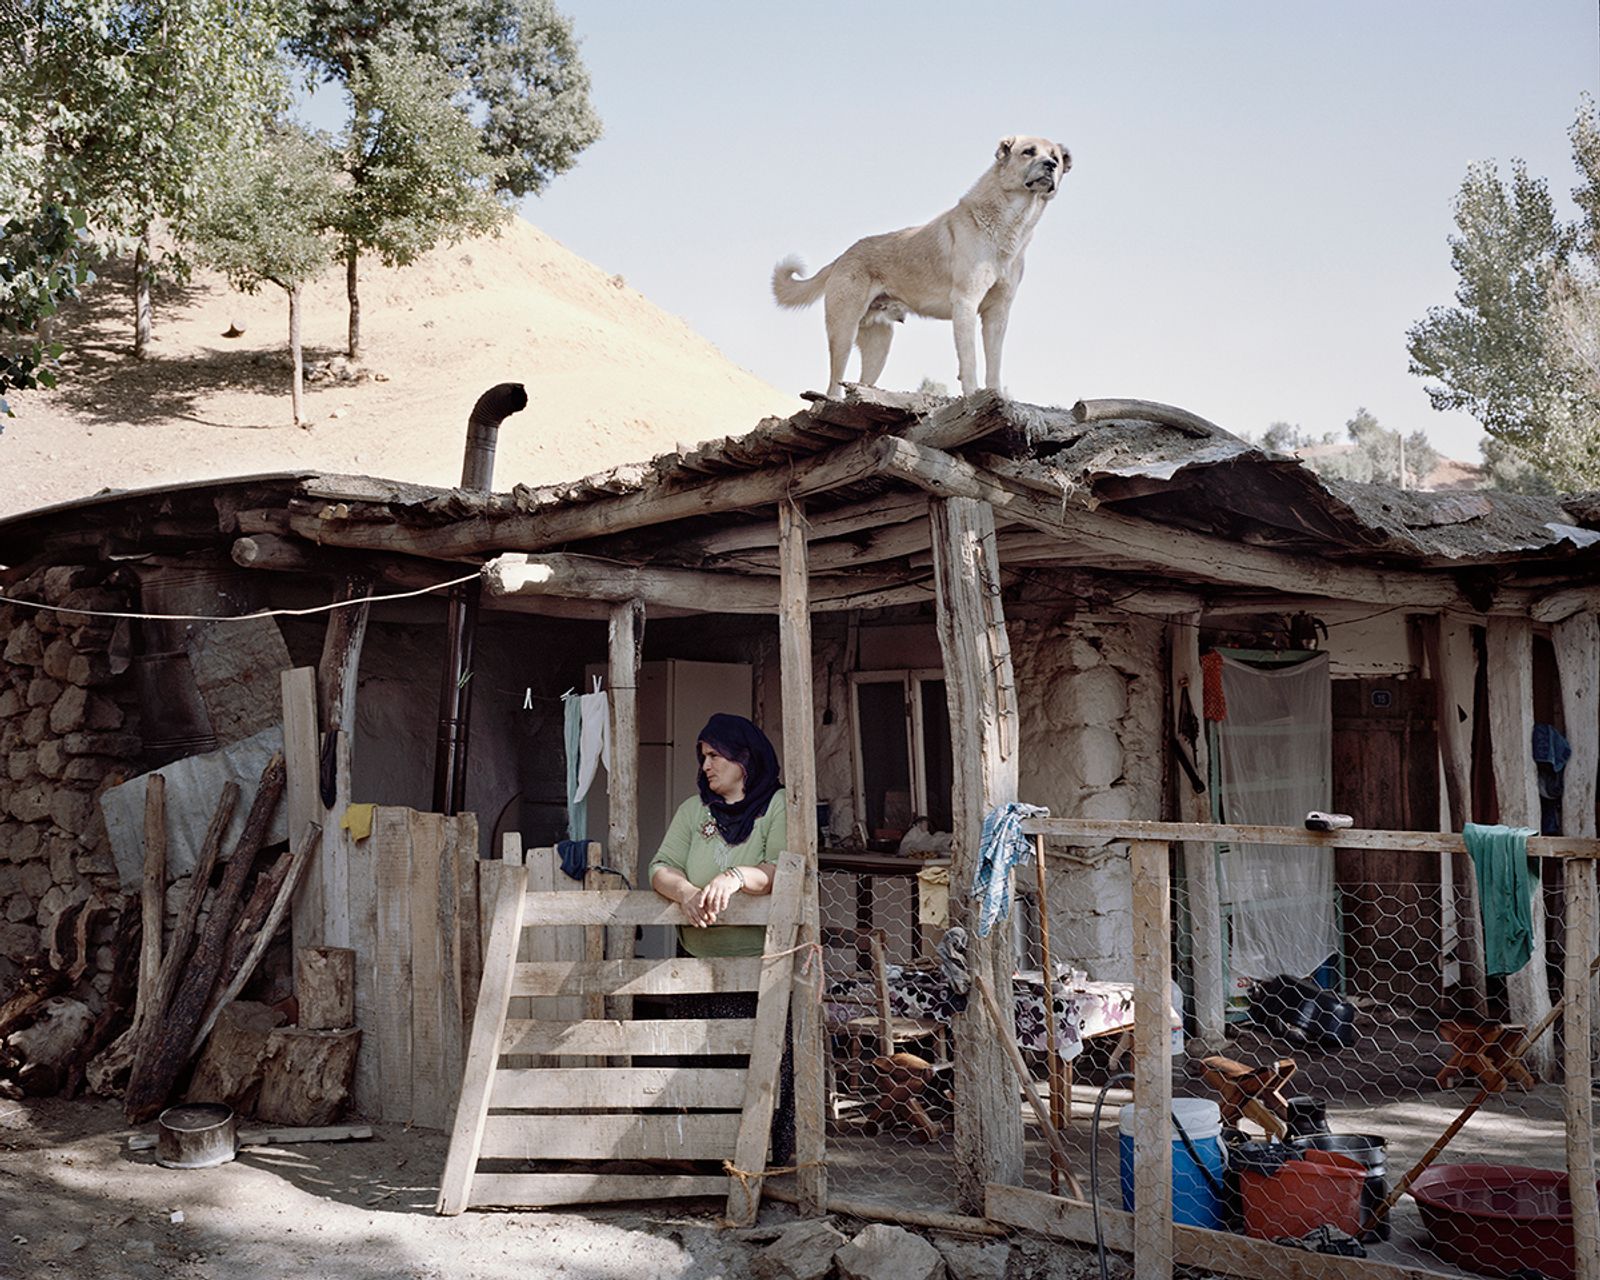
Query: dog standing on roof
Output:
(964,266)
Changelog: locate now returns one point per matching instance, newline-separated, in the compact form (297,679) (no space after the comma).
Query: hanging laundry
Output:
(1506,881)
(1551,752)
(1002,846)
(574,856)
(572,733)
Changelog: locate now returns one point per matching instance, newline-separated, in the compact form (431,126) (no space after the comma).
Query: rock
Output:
(969,1260)
(24,648)
(42,691)
(804,1251)
(882,1252)
(21,765)
(19,907)
(89,769)
(97,862)
(58,655)
(30,803)
(35,878)
(70,711)
(10,703)
(103,713)
(73,811)
(36,726)
(18,940)
(61,580)
(19,843)
(63,860)
(50,758)
(89,668)
(124,745)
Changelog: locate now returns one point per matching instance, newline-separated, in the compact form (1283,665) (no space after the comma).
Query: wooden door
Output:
(1386,776)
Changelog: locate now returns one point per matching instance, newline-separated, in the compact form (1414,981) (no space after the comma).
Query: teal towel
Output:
(1506,880)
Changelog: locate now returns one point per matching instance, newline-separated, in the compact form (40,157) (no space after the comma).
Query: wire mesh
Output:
(1326,1089)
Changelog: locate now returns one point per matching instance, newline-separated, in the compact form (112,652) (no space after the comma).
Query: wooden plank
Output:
(634,977)
(625,644)
(1199,857)
(508,893)
(1510,664)
(1578,1063)
(300,794)
(391,858)
(1096,829)
(1152,1062)
(605,1137)
(469,928)
(1215,1251)
(153,900)
(797,673)
(532,944)
(772,1017)
(676,1036)
(566,942)
(447,941)
(361,899)
(541,1190)
(594,936)
(1577,644)
(646,1088)
(981,689)
(630,907)
(429,1085)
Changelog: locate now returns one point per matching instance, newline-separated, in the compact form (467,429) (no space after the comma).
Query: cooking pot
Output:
(196,1135)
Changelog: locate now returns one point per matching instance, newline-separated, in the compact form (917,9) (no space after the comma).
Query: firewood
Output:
(325,985)
(38,984)
(156,1068)
(243,934)
(118,1008)
(305,1079)
(229,1070)
(152,899)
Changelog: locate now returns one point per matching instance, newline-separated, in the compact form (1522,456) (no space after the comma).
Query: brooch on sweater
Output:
(708,829)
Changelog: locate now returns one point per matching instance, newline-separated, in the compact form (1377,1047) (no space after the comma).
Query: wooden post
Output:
(1199,859)
(1152,1062)
(1055,1069)
(1510,660)
(983,736)
(324,984)
(625,648)
(153,900)
(301,744)
(800,789)
(1577,1064)
(1577,645)
(1452,664)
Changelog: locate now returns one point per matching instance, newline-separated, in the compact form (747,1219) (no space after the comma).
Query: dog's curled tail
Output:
(792,291)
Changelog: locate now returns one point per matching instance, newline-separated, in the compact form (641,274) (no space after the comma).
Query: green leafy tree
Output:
(121,106)
(509,67)
(265,223)
(417,168)
(43,262)
(1520,350)
(1374,454)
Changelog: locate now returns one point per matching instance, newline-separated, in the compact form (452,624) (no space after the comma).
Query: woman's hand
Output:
(713,900)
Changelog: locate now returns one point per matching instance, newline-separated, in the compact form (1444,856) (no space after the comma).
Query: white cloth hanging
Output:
(594,739)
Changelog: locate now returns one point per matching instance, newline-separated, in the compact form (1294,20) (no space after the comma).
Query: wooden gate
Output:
(612,1110)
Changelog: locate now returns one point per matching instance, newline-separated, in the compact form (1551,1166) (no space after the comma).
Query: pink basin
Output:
(1497,1219)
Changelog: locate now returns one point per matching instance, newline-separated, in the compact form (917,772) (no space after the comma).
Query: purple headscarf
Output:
(737,739)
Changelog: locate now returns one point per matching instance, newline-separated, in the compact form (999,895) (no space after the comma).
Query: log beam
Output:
(981,689)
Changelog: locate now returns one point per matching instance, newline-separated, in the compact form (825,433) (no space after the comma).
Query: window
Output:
(902,741)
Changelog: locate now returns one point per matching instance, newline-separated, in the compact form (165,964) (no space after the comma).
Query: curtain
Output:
(1276,753)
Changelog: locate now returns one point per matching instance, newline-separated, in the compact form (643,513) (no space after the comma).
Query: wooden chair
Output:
(1252,1093)
(1488,1050)
(891,1032)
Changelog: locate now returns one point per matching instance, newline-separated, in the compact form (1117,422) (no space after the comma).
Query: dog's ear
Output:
(1066,157)
(1004,149)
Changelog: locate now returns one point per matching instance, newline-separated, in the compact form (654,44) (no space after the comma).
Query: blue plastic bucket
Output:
(1195,1202)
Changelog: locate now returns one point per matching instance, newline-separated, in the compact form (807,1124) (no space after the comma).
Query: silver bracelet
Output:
(738,874)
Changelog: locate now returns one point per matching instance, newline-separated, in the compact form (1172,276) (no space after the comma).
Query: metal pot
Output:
(196,1135)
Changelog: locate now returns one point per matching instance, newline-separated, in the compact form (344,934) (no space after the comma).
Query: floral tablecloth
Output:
(1084,1008)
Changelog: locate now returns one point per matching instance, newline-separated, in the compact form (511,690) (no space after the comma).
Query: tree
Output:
(418,171)
(123,104)
(1373,455)
(42,263)
(265,223)
(510,67)
(1520,350)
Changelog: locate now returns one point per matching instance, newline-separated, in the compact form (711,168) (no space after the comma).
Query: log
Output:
(306,1075)
(152,898)
(38,984)
(254,913)
(325,986)
(229,1070)
(119,1000)
(154,1074)
(1086,412)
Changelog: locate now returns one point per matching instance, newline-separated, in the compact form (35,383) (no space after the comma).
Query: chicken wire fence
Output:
(1325,1091)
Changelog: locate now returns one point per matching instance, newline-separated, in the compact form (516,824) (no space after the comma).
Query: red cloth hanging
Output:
(1214,704)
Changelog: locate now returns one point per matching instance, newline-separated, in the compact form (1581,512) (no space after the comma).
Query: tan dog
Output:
(963,266)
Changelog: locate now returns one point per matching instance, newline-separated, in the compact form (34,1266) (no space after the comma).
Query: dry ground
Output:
(612,378)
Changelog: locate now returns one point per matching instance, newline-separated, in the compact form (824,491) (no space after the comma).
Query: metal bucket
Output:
(196,1135)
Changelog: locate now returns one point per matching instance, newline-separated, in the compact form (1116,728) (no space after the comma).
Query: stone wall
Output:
(68,731)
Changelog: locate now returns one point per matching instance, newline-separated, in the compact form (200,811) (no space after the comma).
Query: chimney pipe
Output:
(461,619)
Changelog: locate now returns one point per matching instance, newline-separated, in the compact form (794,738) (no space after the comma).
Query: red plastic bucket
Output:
(1322,1188)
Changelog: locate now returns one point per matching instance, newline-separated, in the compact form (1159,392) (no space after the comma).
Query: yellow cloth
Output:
(933,896)
(357,820)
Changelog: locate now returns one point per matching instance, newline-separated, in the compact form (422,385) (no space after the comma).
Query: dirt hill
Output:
(612,378)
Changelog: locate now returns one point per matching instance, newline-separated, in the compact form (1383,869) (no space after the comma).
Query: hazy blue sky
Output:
(1259,205)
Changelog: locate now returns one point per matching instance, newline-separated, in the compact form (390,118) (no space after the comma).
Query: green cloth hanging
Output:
(1506,881)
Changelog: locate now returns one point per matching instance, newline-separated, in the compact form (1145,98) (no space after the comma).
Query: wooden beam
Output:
(981,689)
(1210,1251)
(657,503)
(1123,540)
(1152,1062)
(300,757)
(697,590)
(1577,645)
(152,906)
(625,644)
(797,668)
(1510,665)
(1090,411)
(288,554)
(1200,877)
(841,522)
(1577,1058)
(892,542)
(1559,605)
(1452,665)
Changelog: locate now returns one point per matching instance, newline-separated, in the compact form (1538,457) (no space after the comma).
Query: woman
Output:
(724,841)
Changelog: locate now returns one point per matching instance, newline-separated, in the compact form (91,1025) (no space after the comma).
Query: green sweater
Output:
(699,857)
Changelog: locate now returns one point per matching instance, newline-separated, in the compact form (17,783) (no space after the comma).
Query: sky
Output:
(1259,206)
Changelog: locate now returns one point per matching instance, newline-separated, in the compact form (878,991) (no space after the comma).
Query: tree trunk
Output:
(355,302)
(297,364)
(141,293)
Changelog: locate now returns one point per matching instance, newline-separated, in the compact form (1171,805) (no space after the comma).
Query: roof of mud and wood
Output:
(1137,498)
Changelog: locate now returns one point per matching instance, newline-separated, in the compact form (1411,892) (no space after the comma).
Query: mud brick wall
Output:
(68,730)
